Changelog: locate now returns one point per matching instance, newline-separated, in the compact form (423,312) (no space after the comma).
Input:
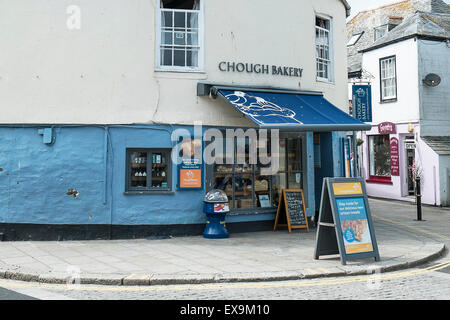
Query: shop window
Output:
(245,185)
(388,79)
(148,170)
(179,30)
(379,158)
(323,49)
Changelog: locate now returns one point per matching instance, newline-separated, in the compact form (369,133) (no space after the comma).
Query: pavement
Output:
(254,256)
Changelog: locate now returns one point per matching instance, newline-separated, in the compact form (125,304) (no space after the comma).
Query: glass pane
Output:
(294,151)
(223,158)
(159,170)
(166,57)
(180,38)
(380,156)
(224,182)
(138,172)
(282,155)
(294,179)
(278,184)
(192,20)
(262,191)
(192,39)
(263,153)
(243,191)
(166,19)
(242,158)
(166,37)
(192,58)
(180,20)
(179,57)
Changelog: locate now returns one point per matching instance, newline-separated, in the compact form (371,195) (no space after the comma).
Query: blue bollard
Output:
(215,224)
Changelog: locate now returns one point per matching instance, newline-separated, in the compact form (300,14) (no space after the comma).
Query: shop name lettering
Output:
(226,66)
(386,127)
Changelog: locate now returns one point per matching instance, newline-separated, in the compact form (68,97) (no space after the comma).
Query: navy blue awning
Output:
(289,111)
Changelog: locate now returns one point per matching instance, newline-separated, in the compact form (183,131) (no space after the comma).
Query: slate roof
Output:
(440,144)
(423,24)
(366,20)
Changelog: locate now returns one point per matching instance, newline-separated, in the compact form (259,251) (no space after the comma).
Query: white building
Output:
(92,91)
(410,132)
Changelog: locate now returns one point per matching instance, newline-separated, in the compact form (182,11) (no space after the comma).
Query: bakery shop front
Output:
(296,140)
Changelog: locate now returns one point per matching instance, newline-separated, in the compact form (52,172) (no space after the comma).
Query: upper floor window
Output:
(381,31)
(388,78)
(179,31)
(323,49)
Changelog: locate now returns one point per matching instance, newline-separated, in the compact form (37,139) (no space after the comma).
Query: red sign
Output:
(387,128)
(395,168)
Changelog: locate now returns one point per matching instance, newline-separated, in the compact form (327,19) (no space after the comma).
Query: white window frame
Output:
(388,75)
(200,62)
(330,59)
(375,30)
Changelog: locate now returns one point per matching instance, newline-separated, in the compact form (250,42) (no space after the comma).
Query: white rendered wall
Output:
(406,108)
(104,72)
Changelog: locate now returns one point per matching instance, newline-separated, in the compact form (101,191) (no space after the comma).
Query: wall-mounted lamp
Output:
(410,127)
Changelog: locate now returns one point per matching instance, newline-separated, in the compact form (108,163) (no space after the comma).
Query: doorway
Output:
(410,150)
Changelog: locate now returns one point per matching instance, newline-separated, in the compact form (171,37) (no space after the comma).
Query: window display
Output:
(148,170)
(379,156)
(245,185)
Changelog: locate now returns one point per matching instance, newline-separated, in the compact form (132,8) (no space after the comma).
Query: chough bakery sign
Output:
(227,66)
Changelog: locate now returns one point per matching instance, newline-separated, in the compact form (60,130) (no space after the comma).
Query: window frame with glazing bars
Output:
(327,62)
(148,189)
(393,98)
(173,46)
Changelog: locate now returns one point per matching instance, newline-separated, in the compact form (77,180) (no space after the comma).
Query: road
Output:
(426,282)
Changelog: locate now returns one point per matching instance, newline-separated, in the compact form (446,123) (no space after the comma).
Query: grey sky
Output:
(359,5)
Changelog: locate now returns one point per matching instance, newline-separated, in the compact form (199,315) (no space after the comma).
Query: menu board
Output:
(395,167)
(293,205)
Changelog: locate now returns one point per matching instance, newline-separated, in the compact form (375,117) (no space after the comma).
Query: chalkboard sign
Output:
(293,204)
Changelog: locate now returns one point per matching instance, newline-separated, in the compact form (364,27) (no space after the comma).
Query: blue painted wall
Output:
(35,177)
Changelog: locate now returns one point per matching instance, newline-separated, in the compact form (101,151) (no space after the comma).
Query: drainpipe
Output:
(105,172)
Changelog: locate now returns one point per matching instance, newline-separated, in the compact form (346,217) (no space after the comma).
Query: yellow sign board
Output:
(347,188)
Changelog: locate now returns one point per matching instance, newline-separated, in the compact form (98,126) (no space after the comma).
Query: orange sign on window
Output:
(190,178)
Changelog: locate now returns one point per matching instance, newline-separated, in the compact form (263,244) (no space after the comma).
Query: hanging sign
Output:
(291,210)
(395,167)
(345,225)
(362,102)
